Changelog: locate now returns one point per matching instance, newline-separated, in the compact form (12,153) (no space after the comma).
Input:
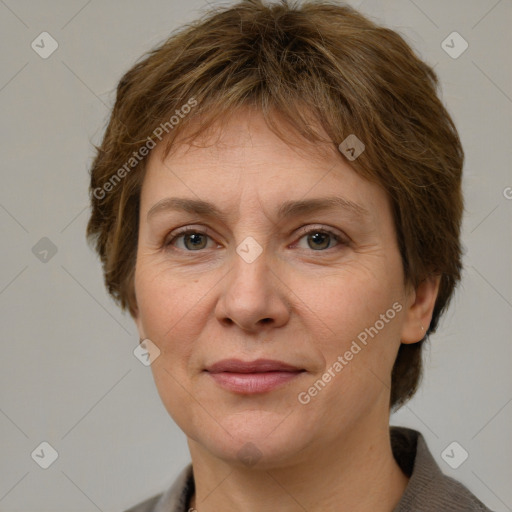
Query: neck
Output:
(357,473)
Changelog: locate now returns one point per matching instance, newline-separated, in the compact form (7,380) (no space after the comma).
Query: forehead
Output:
(243,129)
(243,159)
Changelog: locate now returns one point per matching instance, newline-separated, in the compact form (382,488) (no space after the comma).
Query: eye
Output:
(320,239)
(193,239)
(189,239)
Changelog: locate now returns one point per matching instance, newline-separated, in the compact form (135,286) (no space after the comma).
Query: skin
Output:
(303,301)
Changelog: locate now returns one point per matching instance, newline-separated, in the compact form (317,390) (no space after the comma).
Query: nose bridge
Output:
(251,295)
(251,282)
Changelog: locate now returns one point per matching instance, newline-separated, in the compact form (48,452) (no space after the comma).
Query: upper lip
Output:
(256,366)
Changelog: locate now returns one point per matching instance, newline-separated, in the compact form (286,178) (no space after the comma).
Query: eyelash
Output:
(341,241)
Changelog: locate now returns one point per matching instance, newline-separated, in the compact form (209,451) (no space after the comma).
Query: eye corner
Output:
(340,238)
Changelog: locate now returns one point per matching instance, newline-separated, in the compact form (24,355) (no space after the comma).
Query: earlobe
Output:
(140,330)
(419,310)
(134,313)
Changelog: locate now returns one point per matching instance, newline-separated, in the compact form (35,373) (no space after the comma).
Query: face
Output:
(290,264)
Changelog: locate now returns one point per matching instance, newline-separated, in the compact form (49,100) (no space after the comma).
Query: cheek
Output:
(162,298)
(171,317)
(351,301)
(359,313)
(175,310)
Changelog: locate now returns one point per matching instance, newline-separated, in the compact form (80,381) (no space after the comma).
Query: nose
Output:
(253,297)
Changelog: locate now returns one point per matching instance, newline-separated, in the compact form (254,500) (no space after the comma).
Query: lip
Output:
(256,366)
(250,377)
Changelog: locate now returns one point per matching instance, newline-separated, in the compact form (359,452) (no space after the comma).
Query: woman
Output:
(283,323)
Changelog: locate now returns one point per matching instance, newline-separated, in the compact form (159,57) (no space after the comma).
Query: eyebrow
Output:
(286,210)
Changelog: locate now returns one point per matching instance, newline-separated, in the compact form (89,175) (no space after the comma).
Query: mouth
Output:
(251,377)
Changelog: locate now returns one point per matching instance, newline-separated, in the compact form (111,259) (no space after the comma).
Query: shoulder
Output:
(429,489)
(174,499)
(147,505)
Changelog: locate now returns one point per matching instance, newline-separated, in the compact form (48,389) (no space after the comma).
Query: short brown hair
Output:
(314,63)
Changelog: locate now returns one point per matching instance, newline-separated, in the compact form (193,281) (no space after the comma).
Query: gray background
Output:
(67,372)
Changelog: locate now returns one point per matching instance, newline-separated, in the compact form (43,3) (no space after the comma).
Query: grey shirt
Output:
(428,490)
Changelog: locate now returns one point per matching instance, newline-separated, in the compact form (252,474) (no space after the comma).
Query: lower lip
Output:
(249,383)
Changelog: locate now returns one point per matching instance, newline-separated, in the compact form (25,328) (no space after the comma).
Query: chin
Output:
(255,440)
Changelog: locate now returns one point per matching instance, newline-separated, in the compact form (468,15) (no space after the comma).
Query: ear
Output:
(134,313)
(133,306)
(138,323)
(420,306)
